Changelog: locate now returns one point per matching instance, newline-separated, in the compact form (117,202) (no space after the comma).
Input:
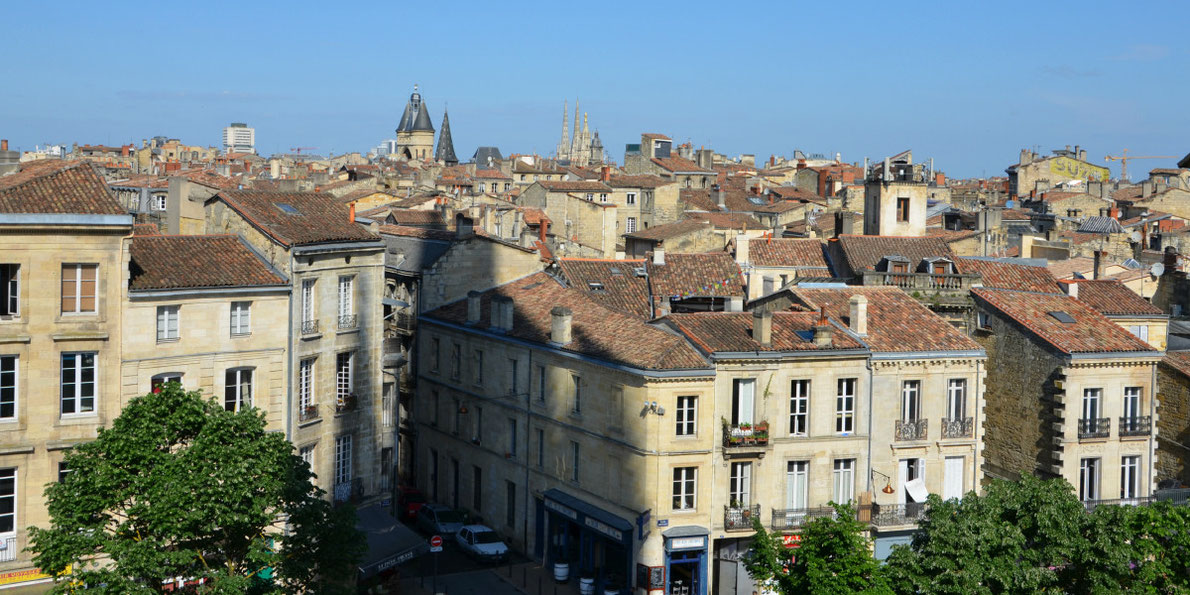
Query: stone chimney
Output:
(1098,259)
(767,286)
(1071,289)
(741,249)
(823,331)
(473,308)
(659,256)
(501,313)
(1146,189)
(1026,157)
(735,304)
(859,314)
(560,322)
(844,223)
(762,327)
(605,174)
(721,198)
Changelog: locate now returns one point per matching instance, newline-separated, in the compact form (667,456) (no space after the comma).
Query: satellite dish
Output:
(1157,270)
(1134,237)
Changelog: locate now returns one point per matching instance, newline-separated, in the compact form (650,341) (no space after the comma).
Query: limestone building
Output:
(415,133)
(1033,174)
(895,196)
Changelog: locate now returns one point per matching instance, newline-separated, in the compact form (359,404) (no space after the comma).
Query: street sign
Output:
(436,543)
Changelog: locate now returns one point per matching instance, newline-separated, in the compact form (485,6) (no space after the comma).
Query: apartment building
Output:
(337,413)
(62,274)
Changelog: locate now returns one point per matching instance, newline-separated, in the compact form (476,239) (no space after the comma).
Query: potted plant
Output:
(761,433)
(310,411)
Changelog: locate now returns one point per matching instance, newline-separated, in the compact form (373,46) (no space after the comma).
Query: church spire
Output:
(574,137)
(446,146)
(564,146)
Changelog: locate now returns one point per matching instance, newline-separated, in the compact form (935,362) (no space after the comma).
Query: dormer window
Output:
(938,266)
(895,263)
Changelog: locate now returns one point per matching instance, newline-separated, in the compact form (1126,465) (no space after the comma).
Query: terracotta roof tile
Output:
(896,321)
(1067,269)
(865,252)
(670,230)
(417,232)
(296,218)
(490,174)
(1008,275)
(415,218)
(1178,360)
(597,331)
(612,283)
(713,274)
(145,229)
(698,200)
(680,165)
(787,253)
(1112,298)
(575,186)
(721,220)
(732,332)
(180,262)
(1091,332)
(57,187)
(639,181)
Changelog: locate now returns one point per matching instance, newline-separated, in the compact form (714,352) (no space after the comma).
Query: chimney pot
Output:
(659,256)
(859,314)
(560,325)
(473,307)
(3,144)
(762,327)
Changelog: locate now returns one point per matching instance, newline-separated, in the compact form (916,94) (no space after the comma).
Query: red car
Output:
(409,500)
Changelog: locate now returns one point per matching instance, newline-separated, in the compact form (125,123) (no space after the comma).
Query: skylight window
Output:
(595,286)
(1062,317)
(288,209)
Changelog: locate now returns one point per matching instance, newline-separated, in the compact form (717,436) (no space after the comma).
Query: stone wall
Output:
(1173,425)
(476,263)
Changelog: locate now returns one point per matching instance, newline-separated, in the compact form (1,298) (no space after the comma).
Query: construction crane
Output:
(299,150)
(1123,159)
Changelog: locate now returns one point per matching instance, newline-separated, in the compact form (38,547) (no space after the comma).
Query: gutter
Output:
(376,244)
(206,291)
(65,219)
(289,414)
(915,355)
(1116,355)
(779,355)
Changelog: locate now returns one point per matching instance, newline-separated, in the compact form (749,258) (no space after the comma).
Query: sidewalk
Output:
(531,578)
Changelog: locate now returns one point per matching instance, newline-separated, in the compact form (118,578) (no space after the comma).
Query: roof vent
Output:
(1062,317)
(595,286)
(640,271)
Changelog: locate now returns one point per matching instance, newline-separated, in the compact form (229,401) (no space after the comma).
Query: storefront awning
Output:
(389,542)
(589,515)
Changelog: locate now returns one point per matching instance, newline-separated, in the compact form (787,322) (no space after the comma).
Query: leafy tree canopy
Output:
(179,487)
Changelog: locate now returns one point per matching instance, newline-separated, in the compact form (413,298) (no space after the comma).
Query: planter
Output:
(586,586)
(561,572)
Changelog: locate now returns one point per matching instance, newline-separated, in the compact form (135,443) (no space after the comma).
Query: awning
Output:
(588,515)
(394,303)
(389,542)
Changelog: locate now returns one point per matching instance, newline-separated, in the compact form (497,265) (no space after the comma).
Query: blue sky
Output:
(968,83)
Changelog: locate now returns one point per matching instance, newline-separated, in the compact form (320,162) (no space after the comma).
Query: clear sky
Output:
(969,83)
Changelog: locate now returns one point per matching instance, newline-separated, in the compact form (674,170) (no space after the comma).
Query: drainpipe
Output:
(868,364)
(289,360)
(1152,427)
(528,443)
(975,429)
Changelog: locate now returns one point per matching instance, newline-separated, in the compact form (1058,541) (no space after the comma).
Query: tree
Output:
(834,557)
(179,487)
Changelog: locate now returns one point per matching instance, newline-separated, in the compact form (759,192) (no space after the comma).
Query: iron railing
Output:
(746,434)
(308,413)
(794,518)
(739,518)
(348,322)
(1175,496)
(8,548)
(345,403)
(1095,427)
(960,427)
(916,429)
(1141,425)
(888,515)
(309,327)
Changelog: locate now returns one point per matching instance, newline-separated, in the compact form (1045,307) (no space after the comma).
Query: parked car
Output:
(439,520)
(409,500)
(482,542)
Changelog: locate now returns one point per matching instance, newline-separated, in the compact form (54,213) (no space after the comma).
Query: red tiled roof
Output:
(787,253)
(612,283)
(732,332)
(492,174)
(145,229)
(417,232)
(794,193)
(1091,332)
(865,252)
(1066,269)
(575,186)
(1178,360)
(721,220)
(654,135)
(355,195)
(1112,298)
(411,217)
(640,181)
(896,321)
(208,178)
(782,206)
(713,274)
(57,187)
(698,200)
(1008,275)
(680,165)
(597,331)
(311,218)
(534,216)
(178,262)
(670,230)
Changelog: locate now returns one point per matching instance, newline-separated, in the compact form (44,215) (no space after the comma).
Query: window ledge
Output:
(309,422)
(347,331)
(16,449)
(15,339)
(173,340)
(81,336)
(241,335)
(311,336)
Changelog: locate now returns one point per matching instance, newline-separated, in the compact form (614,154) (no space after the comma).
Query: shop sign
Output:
(662,522)
(688,543)
(791,541)
(562,510)
(22,576)
(605,529)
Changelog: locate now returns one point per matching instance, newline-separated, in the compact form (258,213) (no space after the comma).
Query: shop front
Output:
(590,541)
(686,560)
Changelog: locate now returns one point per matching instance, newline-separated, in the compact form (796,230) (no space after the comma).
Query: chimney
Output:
(501,313)
(1071,289)
(473,308)
(762,327)
(1146,188)
(735,304)
(351,212)
(887,173)
(721,198)
(605,174)
(859,315)
(1098,271)
(823,331)
(3,144)
(767,285)
(1026,246)
(741,249)
(560,320)
(658,256)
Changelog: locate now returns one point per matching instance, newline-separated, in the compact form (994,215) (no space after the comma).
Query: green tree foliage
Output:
(179,487)
(834,558)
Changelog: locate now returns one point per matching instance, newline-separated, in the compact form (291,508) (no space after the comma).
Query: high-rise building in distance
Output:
(239,138)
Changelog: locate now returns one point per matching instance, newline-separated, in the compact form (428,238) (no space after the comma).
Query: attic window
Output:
(616,271)
(288,209)
(1062,317)
(756,200)
(595,286)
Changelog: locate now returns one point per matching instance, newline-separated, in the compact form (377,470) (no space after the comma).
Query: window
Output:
(509,503)
(844,480)
(511,438)
(799,408)
(63,472)
(343,459)
(8,386)
(590,196)
(307,454)
(437,408)
(306,388)
(8,500)
(78,383)
(160,380)
(1088,480)
(631,198)
(241,318)
(1129,476)
(435,354)
(478,366)
(477,488)
(956,398)
(908,470)
(159,202)
(512,375)
(845,406)
(79,286)
(541,384)
(540,448)
(237,389)
(686,414)
(630,226)
(10,291)
(603,197)
(1131,402)
(741,484)
(1091,402)
(577,402)
(456,360)
(346,300)
(574,456)
(458,417)
(742,391)
(797,484)
(902,209)
(386,407)
(685,481)
(167,323)
(307,300)
(1140,330)
(910,400)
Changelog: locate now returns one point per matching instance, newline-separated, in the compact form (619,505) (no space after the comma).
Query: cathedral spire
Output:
(574,137)
(564,146)
(446,147)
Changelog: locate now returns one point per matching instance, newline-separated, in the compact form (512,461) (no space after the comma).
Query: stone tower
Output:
(415,133)
(563,151)
(597,155)
(446,147)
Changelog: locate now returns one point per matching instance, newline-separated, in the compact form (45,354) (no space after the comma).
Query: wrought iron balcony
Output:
(310,327)
(345,403)
(348,322)
(8,548)
(949,282)
(746,434)
(795,518)
(960,427)
(309,412)
(1136,426)
(739,518)
(916,429)
(890,515)
(405,322)
(1095,427)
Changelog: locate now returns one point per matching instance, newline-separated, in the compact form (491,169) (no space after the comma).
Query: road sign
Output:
(436,543)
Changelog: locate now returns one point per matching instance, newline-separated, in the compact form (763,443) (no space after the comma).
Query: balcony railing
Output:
(889,515)
(309,412)
(406,322)
(739,518)
(1176,497)
(342,492)
(310,327)
(960,427)
(1095,427)
(931,281)
(1136,426)
(348,322)
(8,548)
(345,403)
(911,430)
(746,434)
(795,518)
